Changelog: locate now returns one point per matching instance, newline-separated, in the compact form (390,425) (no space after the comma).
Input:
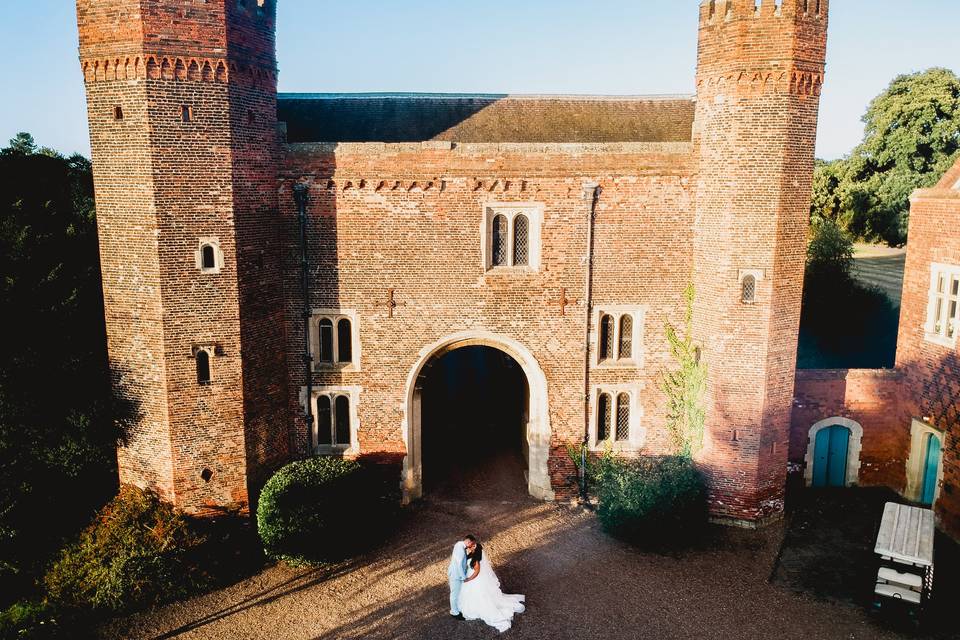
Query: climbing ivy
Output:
(685,385)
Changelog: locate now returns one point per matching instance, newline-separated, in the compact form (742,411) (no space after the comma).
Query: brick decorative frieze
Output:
(181,69)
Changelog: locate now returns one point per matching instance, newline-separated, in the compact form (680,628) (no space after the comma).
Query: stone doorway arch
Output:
(538,415)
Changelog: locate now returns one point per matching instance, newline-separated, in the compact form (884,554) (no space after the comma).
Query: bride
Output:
(481,598)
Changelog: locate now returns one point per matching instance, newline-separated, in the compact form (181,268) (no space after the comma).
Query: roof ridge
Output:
(485,96)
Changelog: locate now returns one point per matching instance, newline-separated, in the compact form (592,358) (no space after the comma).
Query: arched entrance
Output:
(833,453)
(491,364)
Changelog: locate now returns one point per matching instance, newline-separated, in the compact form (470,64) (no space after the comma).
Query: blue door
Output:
(931,468)
(830,457)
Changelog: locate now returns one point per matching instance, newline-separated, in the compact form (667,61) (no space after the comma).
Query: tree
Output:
(58,420)
(911,138)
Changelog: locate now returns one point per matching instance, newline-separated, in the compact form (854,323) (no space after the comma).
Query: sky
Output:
(490,46)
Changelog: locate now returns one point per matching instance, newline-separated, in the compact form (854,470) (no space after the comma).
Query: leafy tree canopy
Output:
(911,138)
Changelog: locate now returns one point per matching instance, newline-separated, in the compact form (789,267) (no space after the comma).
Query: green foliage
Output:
(911,137)
(59,421)
(324,509)
(685,386)
(28,620)
(139,551)
(651,501)
(829,253)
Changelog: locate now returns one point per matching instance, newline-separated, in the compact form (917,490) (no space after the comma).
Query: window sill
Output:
(626,446)
(619,364)
(937,339)
(346,367)
(511,271)
(327,450)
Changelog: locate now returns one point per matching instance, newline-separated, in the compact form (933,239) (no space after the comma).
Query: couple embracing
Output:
(475,589)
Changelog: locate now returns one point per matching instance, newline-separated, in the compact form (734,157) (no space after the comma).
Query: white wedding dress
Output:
(481,598)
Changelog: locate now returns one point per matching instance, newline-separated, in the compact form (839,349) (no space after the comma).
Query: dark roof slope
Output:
(485,118)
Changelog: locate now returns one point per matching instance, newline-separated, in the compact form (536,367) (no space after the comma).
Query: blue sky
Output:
(497,46)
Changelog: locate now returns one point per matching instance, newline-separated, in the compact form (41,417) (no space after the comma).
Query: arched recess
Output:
(853,448)
(538,425)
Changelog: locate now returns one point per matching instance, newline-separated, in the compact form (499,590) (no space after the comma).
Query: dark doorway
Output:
(474,414)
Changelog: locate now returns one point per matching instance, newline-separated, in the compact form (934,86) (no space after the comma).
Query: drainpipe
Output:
(301,195)
(588,308)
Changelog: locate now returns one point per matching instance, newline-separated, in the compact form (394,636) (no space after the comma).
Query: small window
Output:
(118,113)
(500,241)
(748,293)
(521,241)
(603,417)
(326,341)
(606,337)
(324,422)
(203,366)
(186,113)
(344,341)
(623,417)
(251,117)
(342,427)
(625,349)
(208,256)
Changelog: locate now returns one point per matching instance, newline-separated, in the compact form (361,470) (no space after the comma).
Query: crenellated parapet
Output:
(714,11)
(177,68)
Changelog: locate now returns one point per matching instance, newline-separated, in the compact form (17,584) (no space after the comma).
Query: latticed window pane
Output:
(626,337)
(499,241)
(603,417)
(344,341)
(324,424)
(606,337)
(343,420)
(326,340)
(521,241)
(749,293)
(623,417)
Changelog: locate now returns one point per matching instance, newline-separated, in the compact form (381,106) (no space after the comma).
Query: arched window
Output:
(500,241)
(324,422)
(342,420)
(208,257)
(748,293)
(606,337)
(326,341)
(521,241)
(623,417)
(344,341)
(603,417)
(203,366)
(625,349)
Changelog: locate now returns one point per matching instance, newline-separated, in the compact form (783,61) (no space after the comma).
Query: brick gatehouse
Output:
(558,232)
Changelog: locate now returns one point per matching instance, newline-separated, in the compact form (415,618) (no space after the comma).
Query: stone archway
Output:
(538,424)
(853,448)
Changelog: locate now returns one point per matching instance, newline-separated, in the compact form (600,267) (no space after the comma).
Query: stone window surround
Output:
(214,242)
(929,334)
(333,392)
(335,315)
(854,447)
(757,277)
(534,212)
(639,313)
(917,457)
(638,434)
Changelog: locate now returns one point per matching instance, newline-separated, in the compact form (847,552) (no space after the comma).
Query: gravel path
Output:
(580,584)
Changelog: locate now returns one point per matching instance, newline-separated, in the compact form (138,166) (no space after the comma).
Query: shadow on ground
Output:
(827,553)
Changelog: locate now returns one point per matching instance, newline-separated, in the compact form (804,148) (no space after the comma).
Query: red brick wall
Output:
(932,371)
(869,397)
(758,85)
(162,184)
(408,217)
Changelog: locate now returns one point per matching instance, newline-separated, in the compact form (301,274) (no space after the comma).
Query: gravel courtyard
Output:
(580,584)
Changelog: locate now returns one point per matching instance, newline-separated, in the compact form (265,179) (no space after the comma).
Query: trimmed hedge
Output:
(326,509)
(139,551)
(653,500)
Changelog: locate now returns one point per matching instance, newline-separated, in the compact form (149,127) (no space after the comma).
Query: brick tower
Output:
(759,71)
(182,108)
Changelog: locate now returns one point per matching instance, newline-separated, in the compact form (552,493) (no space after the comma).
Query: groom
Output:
(457,572)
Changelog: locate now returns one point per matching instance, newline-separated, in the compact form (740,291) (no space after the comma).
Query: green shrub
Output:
(138,551)
(325,509)
(651,501)
(29,620)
